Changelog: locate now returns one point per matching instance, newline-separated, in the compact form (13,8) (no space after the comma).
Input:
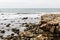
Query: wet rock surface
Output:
(12,26)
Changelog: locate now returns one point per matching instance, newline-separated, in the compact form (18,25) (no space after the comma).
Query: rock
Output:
(24,18)
(53,23)
(43,25)
(8,25)
(2,31)
(52,29)
(32,38)
(41,37)
(47,17)
(15,30)
(26,34)
(12,34)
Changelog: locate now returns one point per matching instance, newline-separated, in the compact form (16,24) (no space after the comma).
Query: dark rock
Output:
(24,18)
(12,34)
(2,31)
(8,25)
(15,30)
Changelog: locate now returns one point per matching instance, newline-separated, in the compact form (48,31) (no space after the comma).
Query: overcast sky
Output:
(29,3)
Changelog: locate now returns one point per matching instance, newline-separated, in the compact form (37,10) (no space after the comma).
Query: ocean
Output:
(29,10)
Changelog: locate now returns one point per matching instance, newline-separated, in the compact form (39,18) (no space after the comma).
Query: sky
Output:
(29,3)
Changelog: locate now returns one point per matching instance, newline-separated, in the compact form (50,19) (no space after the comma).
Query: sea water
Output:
(29,10)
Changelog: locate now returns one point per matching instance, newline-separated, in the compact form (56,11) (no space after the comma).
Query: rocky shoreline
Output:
(47,29)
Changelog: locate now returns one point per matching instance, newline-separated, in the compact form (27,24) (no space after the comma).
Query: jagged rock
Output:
(26,34)
(41,37)
(47,17)
(52,29)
